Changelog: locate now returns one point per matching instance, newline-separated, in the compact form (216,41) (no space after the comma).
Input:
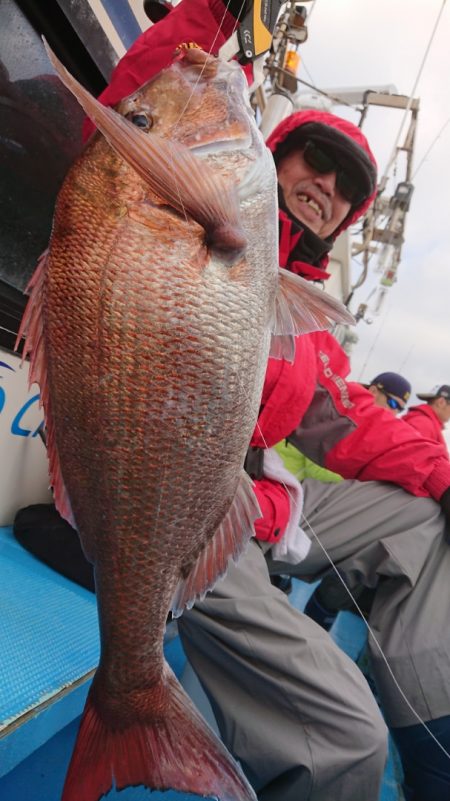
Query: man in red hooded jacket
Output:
(291,707)
(430,418)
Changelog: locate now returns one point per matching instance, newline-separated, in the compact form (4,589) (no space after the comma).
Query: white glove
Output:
(294,545)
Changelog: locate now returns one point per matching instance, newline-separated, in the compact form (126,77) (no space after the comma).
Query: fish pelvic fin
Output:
(32,330)
(229,542)
(176,175)
(300,308)
(175,751)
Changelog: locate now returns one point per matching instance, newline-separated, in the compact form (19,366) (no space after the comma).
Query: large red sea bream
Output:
(149,326)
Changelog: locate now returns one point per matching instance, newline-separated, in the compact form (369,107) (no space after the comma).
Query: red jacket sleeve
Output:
(275,508)
(346,432)
(205,22)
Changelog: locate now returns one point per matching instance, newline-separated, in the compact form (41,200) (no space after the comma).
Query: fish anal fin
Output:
(301,308)
(32,329)
(229,541)
(169,168)
(175,751)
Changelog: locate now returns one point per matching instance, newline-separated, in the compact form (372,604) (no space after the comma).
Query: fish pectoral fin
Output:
(300,308)
(32,329)
(169,168)
(229,541)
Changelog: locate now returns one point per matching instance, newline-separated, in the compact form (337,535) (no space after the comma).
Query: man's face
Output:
(382,399)
(442,408)
(312,197)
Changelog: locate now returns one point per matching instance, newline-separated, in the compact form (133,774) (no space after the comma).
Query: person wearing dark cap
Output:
(291,707)
(431,417)
(391,391)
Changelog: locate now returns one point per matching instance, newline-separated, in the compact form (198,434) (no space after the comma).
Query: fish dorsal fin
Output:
(176,175)
(301,308)
(229,541)
(32,328)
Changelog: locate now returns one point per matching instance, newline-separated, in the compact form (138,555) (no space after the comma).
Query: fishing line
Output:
(294,502)
(375,340)
(406,357)
(183,111)
(209,53)
(393,156)
(292,499)
(374,638)
(349,592)
(311,9)
(339,100)
(441,131)
(306,68)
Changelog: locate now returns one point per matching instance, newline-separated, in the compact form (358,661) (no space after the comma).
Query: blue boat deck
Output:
(49,646)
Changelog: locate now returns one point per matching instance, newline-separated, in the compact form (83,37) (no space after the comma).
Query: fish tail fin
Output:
(175,750)
(300,308)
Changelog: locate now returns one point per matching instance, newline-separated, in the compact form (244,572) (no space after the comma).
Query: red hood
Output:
(294,121)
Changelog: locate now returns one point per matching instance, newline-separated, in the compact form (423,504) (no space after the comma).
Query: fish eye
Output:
(143,121)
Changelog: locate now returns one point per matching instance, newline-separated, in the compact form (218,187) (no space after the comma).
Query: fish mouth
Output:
(220,145)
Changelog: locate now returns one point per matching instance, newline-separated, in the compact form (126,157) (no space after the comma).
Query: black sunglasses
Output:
(323,162)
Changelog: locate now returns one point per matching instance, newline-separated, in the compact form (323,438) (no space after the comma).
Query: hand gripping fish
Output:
(149,326)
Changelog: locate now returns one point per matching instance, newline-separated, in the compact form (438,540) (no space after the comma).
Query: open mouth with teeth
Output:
(310,202)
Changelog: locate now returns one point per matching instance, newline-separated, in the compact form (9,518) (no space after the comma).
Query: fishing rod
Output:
(274,99)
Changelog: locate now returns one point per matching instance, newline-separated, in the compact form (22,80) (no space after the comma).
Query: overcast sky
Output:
(378,42)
